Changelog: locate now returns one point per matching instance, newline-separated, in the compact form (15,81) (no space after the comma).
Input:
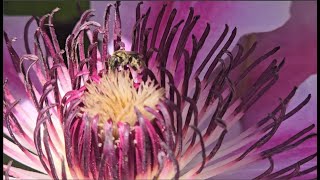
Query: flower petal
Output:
(23,174)
(14,152)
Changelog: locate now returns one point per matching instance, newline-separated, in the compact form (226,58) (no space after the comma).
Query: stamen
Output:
(70,148)
(178,140)
(63,169)
(295,165)
(255,63)
(52,31)
(125,157)
(172,159)
(161,164)
(108,165)
(136,36)
(188,26)
(301,173)
(26,33)
(291,175)
(157,25)
(268,171)
(105,41)
(219,55)
(144,45)
(214,48)
(40,54)
(268,136)
(115,96)
(7,170)
(193,107)
(86,145)
(217,146)
(202,147)
(143,31)
(13,54)
(49,155)
(239,59)
(165,35)
(117,28)
(37,139)
(163,55)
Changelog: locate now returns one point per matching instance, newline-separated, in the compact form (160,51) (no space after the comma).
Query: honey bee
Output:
(123,59)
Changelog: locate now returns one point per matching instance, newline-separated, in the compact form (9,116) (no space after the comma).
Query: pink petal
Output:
(14,152)
(21,173)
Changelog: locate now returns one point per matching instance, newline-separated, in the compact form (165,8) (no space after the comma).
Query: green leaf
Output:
(69,10)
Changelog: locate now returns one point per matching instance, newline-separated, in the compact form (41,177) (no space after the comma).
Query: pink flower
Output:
(158,103)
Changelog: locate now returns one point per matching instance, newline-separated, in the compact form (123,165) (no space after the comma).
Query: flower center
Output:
(115,97)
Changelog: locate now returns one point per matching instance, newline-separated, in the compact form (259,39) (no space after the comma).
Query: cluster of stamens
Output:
(114,97)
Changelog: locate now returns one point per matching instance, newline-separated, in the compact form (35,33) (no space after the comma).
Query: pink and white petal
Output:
(25,174)
(299,50)
(14,152)
(22,140)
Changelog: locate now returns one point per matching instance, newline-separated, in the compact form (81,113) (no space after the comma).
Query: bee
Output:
(123,59)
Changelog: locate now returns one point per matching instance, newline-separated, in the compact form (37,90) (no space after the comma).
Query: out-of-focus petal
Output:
(297,39)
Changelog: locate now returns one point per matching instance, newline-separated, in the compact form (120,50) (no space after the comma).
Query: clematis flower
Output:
(152,106)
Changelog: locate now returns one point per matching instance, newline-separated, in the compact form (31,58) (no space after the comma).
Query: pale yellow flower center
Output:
(115,98)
